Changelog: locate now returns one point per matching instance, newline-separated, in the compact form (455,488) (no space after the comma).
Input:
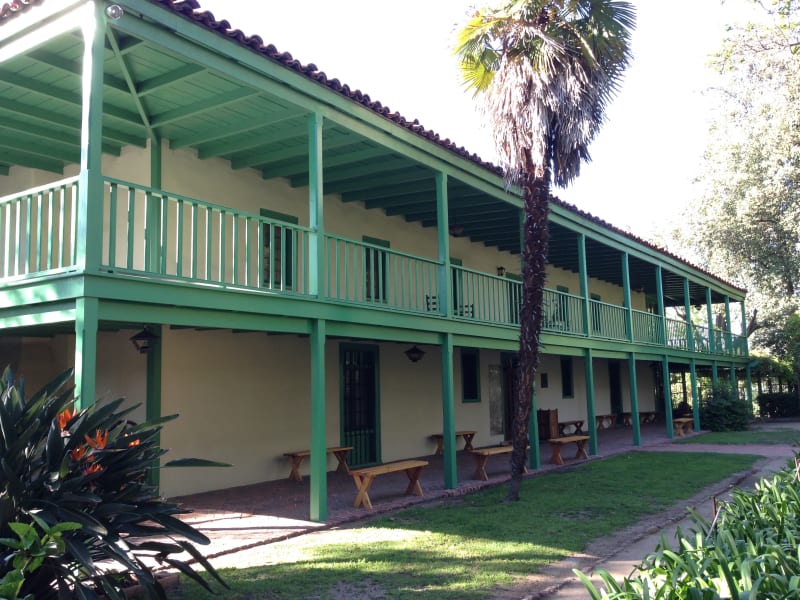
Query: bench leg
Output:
(296,461)
(439,446)
(341,456)
(468,440)
(413,481)
(362,485)
(582,450)
(480,467)
(555,458)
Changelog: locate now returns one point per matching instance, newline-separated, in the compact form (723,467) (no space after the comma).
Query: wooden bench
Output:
(296,459)
(557,443)
(482,456)
(605,421)
(364,477)
(577,424)
(439,439)
(682,425)
(644,418)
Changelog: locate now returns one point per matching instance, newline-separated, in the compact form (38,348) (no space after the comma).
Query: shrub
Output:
(778,405)
(89,467)
(723,410)
(749,551)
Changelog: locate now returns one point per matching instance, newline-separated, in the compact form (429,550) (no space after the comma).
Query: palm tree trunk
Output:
(536,195)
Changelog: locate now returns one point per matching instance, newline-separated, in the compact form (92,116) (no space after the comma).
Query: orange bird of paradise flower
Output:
(78,453)
(64,417)
(98,442)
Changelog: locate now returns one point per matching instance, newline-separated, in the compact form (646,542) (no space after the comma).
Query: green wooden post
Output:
(153,400)
(728,336)
(667,396)
(316,220)
(695,394)
(590,411)
(712,338)
(319,457)
(687,306)
(448,413)
(749,389)
(89,214)
(660,299)
(746,351)
(714,375)
(626,289)
(153,211)
(445,291)
(634,389)
(584,283)
(86,319)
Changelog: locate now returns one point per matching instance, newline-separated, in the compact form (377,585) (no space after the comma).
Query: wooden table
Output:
(577,424)
(682,425)
(482,456)
(467,435)
(364,477)
(296,459)
(557,443)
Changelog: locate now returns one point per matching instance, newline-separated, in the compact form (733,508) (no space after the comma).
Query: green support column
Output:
(634,389)
(667,396)
(660,300)
(695,394)
(746,351)
(728,336)
(153,400)
(86,318)
(626,289)
(714,375)
(443,237)
(712,338)
(584,283)
(319,457)
(316,221)
(89,213)
(590,411)
(448,413)
(749,389)
(687,305)
(534,456)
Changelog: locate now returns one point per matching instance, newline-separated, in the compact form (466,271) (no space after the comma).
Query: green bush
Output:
(723,410)
(88,467)
(778,405)
(749,551)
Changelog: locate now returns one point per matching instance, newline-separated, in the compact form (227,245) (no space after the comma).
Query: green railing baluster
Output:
(73,251)
(25,266)
(235,248)
(38,264)
(147,227)
(51,231)
(223,241)
(180,224)
(164,237)
(209,245)
(260,253)
(112,225)
(194,234)
(248,257)
(338,269)
(6,211)
(131,226)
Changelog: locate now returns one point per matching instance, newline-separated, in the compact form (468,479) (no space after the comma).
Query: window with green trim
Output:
(279,250)
(470,375)
(567,382)
(376,265)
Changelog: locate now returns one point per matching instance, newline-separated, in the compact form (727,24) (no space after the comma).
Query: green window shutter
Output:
(278,250)
(376,265)
(470,375)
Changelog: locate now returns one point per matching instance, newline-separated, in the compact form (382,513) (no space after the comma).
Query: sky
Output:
(400,53)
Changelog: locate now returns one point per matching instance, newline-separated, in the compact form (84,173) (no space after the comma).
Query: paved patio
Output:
(248,516)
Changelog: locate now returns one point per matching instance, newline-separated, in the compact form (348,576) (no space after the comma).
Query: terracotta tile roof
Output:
(192,10)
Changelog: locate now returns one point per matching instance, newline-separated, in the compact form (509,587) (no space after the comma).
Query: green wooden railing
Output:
(608,320)
(369,274)
(563,313)
(38,230)
(484,297)
(156,233)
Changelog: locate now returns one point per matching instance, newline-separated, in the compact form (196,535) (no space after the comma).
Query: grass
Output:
(470,546)
(775,436)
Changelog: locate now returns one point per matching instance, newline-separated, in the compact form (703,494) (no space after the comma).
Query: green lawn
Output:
(466,547)
(775,436)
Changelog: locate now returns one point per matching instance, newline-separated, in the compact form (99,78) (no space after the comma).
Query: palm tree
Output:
(545,71)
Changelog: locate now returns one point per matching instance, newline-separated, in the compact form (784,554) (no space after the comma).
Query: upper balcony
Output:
(150,234)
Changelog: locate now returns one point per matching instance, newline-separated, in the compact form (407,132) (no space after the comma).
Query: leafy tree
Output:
(744,225)
(545,71)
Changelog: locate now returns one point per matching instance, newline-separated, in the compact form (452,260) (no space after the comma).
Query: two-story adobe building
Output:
(304,267)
